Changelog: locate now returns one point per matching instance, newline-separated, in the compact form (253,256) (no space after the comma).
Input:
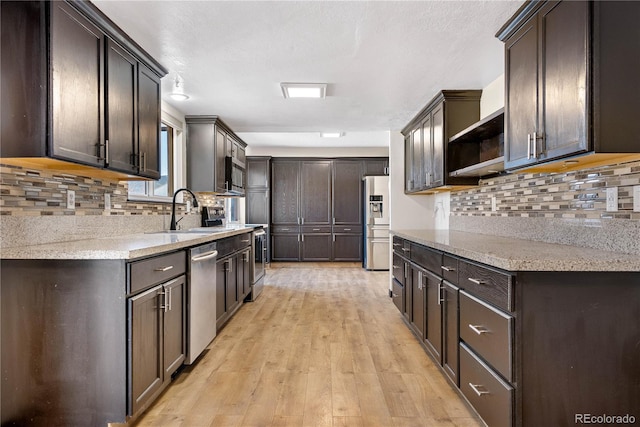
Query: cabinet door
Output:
(220,185)
(315,195)
(408,291)
(451,332)
(418,300)
(257,173)
(257,205)
(347,247)
(521,97)
(427,150)
(77,87)
(244,270)
(433,331)
(175,348)
(240,154)
(221,306)
(347,192)
(376,167)
(418,167)
(438,146)
(146,366)
(315,247)
(285,247)
(285,187)
(408,165)
(231,284)
(121,106)
(563,29)
(149,116)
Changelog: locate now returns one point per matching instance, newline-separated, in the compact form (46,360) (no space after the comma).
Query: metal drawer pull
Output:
(476,281)
(167,268)
(405,250)
(479,329)
(445,268)
(284,229)
(396,266)
(475,387)
(316,229)
(347,229)
(397,244)
(245,241)
(395,295)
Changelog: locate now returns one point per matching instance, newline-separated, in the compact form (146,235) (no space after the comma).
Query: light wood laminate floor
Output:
(322,346)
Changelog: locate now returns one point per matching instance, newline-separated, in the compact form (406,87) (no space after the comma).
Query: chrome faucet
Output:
(173,206)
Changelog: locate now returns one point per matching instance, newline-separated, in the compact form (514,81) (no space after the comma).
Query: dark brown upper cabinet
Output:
(427,163)
(315,187)
(570,67)
(84,92)
(211,165)
(347,193)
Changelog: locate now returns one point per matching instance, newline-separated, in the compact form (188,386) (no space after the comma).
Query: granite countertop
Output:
(521,255)
(124,247)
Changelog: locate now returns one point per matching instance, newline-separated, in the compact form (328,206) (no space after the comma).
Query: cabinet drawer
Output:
(316,229)
(397,268)
(493,286)
(145,273)
(488,331)
(285,229)
(398,244)
(347,229)
(397,295)
(486,391)
(449,269)
(427,258)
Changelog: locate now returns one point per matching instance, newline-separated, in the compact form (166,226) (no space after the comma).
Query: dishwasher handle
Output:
(259,233)
(204,256)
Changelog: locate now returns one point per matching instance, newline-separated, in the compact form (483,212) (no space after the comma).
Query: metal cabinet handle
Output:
(347,229)
(479,329)
(445,268)
(476,388)
(204,256)
(476,281)
(163,269)
(245,241)
(316,229)
(405,250)
(420,280)
(396,266)
(535,145)
(395,295)
(302,221)
(163,294)
(170,298)
(440,294)
(284,229)
(229,265)
(397,244)
(334,237)
(528,146)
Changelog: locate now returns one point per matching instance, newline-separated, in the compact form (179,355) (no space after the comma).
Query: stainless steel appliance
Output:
(376,229)
(201,299)
(258,266)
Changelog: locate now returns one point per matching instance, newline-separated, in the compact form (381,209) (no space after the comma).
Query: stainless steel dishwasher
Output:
(201,300)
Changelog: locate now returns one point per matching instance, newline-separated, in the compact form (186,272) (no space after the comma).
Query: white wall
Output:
(492,97)
(317,151)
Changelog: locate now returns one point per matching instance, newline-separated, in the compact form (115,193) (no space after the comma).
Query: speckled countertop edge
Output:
(521,255)
(126,247)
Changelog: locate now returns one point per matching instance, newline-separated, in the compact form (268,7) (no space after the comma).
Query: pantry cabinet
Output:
(568,69)
(92,96)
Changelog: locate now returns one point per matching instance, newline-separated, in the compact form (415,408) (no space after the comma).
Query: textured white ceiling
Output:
(383,60)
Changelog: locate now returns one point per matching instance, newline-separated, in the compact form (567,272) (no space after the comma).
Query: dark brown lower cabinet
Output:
(157,347)
(527,348)
(285,246)
(347,247)
(418,299)
(315,247)
(233,278)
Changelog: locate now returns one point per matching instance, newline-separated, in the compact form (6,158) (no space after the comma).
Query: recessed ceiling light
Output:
(304,90)
(331,134)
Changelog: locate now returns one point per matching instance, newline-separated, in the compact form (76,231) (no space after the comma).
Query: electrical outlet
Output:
(636,198)
(188,206)
(71,199)
(612,199)
(494,204)
(107,201)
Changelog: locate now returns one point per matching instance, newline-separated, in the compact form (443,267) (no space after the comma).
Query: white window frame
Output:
(179,166)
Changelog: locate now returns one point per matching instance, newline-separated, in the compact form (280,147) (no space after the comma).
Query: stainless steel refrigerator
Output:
(376,224)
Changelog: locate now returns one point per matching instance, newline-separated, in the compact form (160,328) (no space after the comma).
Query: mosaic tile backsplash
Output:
(575,194)
(33,208)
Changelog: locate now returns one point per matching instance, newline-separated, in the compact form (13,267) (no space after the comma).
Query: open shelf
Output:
(477,151)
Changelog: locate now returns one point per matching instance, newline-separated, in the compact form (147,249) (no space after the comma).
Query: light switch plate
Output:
(107,201)
(636,198)
(612,199)
(71,199)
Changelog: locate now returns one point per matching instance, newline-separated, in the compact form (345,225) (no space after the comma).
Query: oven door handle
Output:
(259,233)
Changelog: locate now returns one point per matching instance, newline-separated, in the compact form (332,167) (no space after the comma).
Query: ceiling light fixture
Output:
(331,134)
(178,90)
(304,90)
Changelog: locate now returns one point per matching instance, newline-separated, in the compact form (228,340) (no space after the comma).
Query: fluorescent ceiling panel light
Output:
(304,90)
(331,134)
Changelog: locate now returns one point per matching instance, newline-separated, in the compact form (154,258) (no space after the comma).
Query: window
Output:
(170,166)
